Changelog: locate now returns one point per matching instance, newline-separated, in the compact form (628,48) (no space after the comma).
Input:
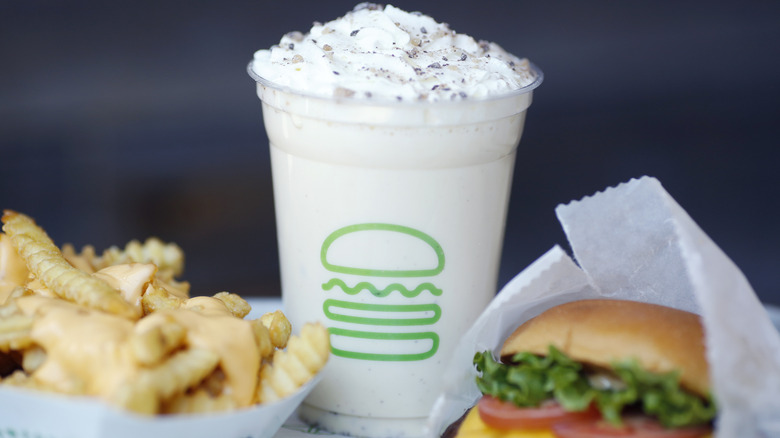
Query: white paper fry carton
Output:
(36,414)
(634,241)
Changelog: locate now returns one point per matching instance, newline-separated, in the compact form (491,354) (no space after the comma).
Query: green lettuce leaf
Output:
(532,379)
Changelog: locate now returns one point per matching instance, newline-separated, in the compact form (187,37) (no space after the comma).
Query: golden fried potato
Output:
(237,305)
(153,386)
(15,329)
(215,383)
(13,269)
(150,345)
(168,257)
(15,332)
(10,308)
(278,326)
(210,396)
(20,378)
(32,359)
(158,298)
(86,261)
(199,401)
(179,289)
(47,263)
(262,339)
(305,356)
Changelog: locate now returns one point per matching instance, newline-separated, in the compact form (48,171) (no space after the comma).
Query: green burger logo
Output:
(375,263)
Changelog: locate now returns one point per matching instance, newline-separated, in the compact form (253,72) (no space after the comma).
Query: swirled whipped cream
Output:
(384,53)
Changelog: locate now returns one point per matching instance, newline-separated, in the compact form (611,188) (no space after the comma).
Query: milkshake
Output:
(392,142)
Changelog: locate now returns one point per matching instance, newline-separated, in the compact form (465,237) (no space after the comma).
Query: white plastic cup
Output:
(390,221)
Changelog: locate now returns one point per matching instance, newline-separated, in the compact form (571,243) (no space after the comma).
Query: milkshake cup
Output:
(390,219)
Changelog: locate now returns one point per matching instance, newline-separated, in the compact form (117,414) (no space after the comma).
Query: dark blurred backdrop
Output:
(120,120)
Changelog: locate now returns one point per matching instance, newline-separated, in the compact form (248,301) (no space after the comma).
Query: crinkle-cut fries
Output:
(122,328)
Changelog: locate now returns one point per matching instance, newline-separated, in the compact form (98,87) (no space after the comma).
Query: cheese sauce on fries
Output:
(86,350)
(119,327)
(211,326)
(130,280)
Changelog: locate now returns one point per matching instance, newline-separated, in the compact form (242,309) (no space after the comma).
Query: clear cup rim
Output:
(538,78)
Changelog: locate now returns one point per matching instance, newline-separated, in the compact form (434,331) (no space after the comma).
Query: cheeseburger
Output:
(596,368)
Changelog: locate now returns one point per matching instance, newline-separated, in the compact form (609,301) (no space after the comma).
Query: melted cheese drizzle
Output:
(87,351)
(130,280)
(211,326)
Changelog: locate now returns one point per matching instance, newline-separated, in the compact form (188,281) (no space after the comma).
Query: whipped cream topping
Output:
(387,54)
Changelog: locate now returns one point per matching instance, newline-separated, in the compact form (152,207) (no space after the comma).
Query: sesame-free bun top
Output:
(600,332)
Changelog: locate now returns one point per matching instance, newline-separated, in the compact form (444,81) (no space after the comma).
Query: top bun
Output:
(599,332)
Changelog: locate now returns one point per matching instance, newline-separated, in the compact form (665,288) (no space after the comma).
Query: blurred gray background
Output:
(121,120)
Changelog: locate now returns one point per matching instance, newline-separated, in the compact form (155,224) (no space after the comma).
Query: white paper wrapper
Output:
(635,242)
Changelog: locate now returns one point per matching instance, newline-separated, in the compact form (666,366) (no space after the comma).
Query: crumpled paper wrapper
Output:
(29,413)
(633,241)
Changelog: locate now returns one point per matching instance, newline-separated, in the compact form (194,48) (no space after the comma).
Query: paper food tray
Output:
(28,413)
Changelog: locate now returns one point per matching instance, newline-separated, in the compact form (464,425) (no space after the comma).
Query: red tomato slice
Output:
(633,427)
(504,415)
